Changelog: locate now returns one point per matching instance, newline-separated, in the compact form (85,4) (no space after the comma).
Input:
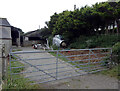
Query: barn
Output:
(17,38)
(33,37)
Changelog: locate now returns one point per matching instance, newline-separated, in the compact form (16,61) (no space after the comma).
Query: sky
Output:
(30,14)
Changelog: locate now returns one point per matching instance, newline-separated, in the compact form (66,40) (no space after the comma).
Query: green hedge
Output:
(116,53)
(95,41)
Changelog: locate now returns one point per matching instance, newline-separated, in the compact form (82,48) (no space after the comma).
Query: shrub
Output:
(79,43)
(50,38)
(55,47)
(116,53)
(95,41)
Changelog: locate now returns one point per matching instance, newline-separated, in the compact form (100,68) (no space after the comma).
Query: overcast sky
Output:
(29,14)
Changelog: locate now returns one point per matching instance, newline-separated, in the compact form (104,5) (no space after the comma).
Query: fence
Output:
(46,66)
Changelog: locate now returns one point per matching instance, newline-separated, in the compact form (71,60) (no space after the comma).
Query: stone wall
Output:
(0,63)
(5,32)
(5,45)
(5,38)
(4,51)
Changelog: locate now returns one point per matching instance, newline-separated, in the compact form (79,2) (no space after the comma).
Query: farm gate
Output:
(44,66)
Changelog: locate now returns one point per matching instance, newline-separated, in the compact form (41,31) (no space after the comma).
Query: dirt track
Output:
(89,81)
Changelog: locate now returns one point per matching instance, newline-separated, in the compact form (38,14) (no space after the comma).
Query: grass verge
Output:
(16,50)
(113,72)
(22,83)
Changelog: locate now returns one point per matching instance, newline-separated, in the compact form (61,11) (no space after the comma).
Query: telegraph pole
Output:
(74,7)
(39,26)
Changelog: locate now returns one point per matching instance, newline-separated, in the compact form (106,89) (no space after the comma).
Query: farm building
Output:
(33,37)
(17,38)
(9,33)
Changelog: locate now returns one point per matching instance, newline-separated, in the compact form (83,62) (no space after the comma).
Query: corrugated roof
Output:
(4,22)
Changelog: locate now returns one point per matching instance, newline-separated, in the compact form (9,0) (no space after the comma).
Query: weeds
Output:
(114,72)
(12,80)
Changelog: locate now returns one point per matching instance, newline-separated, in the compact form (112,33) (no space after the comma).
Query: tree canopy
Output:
(100,18)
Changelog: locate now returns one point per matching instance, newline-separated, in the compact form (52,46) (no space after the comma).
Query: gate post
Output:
(5,45)
(89,59)
(111,63)
(0,66)
(4,63)
(57,65)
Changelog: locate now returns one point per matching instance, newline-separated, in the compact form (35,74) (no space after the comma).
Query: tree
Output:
(84,21)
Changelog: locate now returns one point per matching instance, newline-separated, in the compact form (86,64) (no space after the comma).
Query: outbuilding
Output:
(32,38)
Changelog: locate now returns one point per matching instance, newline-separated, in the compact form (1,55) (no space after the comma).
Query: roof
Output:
(35,33)
(28,34)
(4,22)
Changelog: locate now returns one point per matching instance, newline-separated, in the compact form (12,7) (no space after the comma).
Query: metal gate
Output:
(45,66)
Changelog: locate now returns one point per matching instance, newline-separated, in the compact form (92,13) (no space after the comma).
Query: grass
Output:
(22,83)
(113,72)
(16,50)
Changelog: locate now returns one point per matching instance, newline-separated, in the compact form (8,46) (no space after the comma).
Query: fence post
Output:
(57,66)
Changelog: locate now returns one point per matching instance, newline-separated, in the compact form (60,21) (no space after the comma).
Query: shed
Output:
(33,37)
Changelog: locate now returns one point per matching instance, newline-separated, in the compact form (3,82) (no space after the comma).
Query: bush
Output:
(106,40)
(79,43)
(55,47)
(50,38)
(116,53)
(95,41)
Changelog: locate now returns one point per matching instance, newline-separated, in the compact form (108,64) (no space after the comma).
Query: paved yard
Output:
(89,81)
